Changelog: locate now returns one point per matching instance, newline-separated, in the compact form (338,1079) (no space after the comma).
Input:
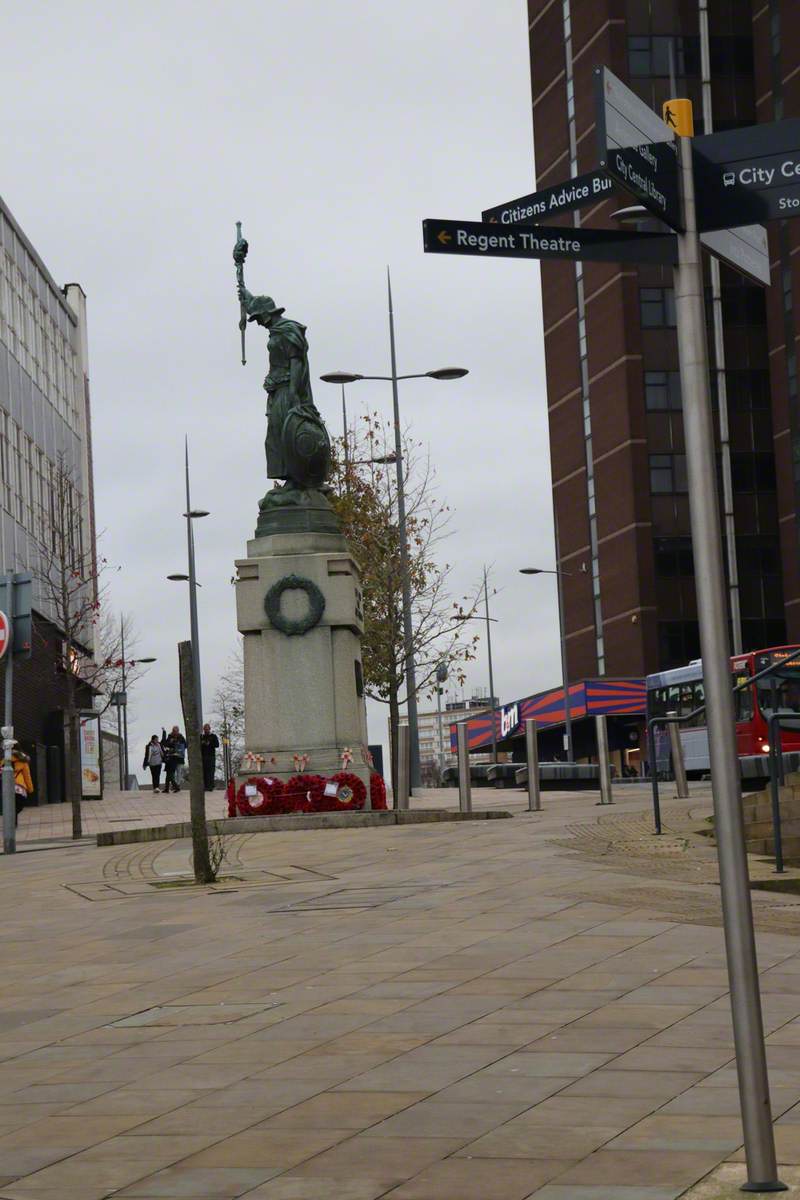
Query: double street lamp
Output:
(343,377)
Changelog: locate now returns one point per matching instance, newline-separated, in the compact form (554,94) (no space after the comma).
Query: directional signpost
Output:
(710,190)
(745,248)
(536,241)
(637,149)
(750,174)
(551,202)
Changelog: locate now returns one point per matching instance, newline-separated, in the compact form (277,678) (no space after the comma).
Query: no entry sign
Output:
(5,632)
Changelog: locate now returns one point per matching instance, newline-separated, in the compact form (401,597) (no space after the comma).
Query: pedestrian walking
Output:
(154,760)
(209,745)
(174,746)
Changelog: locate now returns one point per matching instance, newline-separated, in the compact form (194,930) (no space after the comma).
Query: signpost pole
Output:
(713,619)
(9,801)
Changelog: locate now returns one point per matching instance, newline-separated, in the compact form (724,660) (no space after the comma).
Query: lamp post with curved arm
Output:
(343,377)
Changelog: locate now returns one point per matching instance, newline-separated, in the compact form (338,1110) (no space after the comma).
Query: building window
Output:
(758,556)
(662,390)
(673,557)
(664,55)
(759,635)
(657,308)
(753,472)
(742,305)
(678,643)
(748,391)
(668,473)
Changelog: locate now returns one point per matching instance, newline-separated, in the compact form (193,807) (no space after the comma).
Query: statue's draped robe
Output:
(287,341)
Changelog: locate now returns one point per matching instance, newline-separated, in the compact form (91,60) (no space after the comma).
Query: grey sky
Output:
(134,136)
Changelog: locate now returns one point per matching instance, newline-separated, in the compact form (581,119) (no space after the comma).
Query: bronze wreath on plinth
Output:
(316,605)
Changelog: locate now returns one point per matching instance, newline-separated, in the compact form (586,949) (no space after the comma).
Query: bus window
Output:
(699,701)
(788,690)
(742,700)
(687,704)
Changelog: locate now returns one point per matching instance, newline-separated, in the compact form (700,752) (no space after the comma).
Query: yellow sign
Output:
(677,114)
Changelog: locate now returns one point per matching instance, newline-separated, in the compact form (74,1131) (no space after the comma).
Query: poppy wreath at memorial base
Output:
(342,792)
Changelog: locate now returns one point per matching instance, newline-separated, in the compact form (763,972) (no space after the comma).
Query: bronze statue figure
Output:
(297,444)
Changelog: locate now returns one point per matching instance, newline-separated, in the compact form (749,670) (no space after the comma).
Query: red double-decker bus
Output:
(681,690)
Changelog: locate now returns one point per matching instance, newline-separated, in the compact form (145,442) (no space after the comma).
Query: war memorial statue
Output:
(298,591)
(297,445)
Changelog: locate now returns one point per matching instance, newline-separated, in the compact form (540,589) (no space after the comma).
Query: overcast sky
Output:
(135,136)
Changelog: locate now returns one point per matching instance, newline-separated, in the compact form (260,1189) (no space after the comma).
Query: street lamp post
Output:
(492,699)
(122,701)
(343,377)
(345,437)
(191,515)
(564,669)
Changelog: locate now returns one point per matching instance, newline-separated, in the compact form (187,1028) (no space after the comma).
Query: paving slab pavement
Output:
(500,1010)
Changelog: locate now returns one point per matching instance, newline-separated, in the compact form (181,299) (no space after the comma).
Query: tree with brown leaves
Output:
(365,487)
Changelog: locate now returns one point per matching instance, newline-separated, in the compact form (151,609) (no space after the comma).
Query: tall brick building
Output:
(616,429)
(44,423)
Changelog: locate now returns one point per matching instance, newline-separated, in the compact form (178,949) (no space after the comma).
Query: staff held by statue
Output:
(239,255)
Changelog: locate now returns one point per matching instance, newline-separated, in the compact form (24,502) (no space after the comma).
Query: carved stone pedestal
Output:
(298,606)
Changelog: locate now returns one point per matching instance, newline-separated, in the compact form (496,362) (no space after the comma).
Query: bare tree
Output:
(229,707)
(70,580)
(365,486)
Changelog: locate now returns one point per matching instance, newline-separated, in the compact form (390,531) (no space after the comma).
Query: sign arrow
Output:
(444,237)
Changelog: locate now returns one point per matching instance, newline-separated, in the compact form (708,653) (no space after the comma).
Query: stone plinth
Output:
(303,691)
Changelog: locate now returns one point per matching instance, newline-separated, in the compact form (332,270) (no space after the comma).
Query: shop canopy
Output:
(589,698)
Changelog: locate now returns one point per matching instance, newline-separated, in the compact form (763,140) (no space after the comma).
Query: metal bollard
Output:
(653,765)
(678,764)
(532,755)
(403,768)
(602,758)
(464,781)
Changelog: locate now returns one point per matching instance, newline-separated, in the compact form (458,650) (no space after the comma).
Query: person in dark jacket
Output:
(174,746)
(154,761)
(209,744)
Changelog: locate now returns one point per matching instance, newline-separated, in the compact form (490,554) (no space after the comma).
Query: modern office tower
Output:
(616,429)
